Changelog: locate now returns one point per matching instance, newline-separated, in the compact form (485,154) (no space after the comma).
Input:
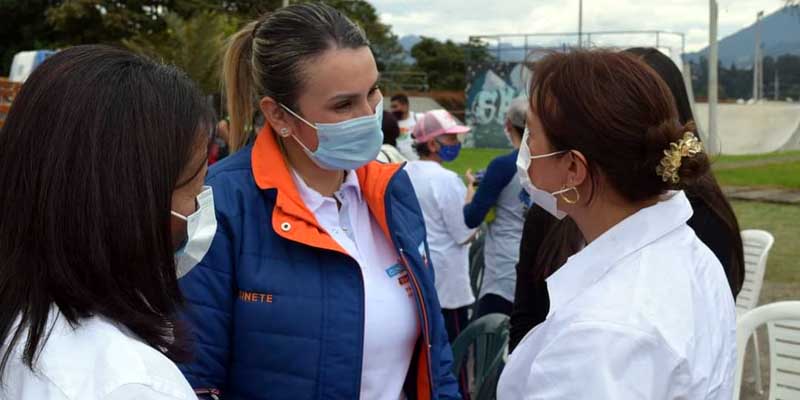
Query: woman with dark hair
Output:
(644,309)
(317,284)
(389,152)
(103,160)
(713,221)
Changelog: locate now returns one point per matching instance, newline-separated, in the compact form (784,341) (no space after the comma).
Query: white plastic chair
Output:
(783,323)
(757,245)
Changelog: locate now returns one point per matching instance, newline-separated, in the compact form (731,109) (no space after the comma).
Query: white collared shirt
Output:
(441,195)
(391,325)
(643,312)
(97,360)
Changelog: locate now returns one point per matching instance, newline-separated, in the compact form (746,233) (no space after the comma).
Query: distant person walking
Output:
(406,119)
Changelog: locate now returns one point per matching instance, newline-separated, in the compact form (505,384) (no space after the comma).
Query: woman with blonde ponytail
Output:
(317,282)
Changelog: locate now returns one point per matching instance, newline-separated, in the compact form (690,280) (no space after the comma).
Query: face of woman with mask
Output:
(336,122)
(185,196)
(553,178)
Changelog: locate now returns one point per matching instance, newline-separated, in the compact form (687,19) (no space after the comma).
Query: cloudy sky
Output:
(458,19)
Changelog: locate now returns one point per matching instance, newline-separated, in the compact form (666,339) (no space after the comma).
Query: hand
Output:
(470,178)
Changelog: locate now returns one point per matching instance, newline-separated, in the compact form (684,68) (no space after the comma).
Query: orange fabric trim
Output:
(291,219)
(423,383)
(374,179)
(271,171)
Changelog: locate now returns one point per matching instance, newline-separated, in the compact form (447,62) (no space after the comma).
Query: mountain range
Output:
(780,34)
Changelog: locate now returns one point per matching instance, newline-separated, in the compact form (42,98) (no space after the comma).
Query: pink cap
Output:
(436,123)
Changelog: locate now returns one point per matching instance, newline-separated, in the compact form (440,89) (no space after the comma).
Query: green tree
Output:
(103,21)
(23,28)
(194,44)
(110,21)
(445,62)
(385,45)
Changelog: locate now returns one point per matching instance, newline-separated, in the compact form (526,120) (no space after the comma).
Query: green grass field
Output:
(784,175)
(779,169)
(724,160)
(783,221)
(477,159)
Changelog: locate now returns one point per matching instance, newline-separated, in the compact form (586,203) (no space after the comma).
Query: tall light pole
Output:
(757,63)
(712,145)
(580,23)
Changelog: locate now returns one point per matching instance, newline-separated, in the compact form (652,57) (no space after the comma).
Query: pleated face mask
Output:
(201,226)
(345,145)
(542,198)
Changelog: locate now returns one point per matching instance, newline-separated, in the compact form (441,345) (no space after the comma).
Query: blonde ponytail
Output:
(240,86)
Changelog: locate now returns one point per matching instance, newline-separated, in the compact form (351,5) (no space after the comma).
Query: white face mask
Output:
(201,227)
(543,199)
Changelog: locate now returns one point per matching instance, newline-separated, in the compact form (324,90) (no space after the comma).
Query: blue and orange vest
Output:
(276,307)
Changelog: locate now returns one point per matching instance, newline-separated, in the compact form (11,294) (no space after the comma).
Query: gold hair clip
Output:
(689,146)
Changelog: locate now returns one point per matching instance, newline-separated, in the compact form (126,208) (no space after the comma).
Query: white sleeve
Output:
(600,360)
(133,391)
(451,196)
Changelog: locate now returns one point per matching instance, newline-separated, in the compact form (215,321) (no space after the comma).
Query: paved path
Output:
(780,196)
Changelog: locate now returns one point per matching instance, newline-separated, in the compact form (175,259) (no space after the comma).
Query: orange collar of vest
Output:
(291,219)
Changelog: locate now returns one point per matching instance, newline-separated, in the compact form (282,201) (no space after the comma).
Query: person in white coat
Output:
(643,311)
(102,209)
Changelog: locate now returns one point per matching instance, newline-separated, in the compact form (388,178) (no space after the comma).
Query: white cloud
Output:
(459,19)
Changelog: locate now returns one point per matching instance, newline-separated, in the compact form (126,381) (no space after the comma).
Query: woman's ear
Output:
(278,118)
(433,146)
(577,170)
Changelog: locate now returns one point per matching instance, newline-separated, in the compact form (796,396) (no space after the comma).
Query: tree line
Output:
(191,34)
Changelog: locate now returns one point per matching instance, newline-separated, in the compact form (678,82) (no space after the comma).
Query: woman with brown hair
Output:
(713,221)
(644,310)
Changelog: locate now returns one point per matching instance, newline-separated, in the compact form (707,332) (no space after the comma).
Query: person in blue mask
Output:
(317,282)
(441,195)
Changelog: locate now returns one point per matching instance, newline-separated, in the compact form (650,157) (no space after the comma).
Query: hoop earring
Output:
(568,200)
(284,132)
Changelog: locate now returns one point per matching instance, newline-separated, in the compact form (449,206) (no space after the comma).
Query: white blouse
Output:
(643,312)
(97,360)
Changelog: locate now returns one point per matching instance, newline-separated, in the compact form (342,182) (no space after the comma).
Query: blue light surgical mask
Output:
(345,145)
(448,152)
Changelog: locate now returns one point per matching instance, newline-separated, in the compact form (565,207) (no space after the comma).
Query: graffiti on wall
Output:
(490,90)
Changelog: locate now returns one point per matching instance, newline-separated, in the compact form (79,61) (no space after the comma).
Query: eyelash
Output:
(343,106)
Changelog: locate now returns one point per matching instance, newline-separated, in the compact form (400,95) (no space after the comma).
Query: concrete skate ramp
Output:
(755,129)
